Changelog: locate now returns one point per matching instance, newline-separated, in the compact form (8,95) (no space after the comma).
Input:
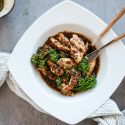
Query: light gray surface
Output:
(15,111)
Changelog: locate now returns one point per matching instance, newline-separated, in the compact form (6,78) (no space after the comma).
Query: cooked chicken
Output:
(78,48)
(43,71)
(47,47)
(46,72)
(73,81)
(65,80)
(78,43)
(56,44)
(76,55)
(68,93)
(55,68)
(91,67)
(63,40)
(66,63)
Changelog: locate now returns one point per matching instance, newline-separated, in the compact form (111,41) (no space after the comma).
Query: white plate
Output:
(67,16)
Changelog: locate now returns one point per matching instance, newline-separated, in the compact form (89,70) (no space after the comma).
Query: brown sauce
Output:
(51,83)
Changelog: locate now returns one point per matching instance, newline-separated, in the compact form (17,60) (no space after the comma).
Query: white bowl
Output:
(72,17)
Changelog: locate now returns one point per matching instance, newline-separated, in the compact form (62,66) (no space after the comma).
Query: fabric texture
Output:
(107,114)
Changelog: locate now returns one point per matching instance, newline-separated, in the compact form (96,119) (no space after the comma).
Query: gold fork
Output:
(95,54)
(107,28)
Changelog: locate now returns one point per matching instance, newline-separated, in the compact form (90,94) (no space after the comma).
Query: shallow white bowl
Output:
(72,17)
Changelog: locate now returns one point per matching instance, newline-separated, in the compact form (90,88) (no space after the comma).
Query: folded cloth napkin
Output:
(107,114)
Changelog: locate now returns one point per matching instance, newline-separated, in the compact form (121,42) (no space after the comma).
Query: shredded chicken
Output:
(73,81)
(66,63)
(78,48)
(55,68)
(91,67)
(56,44)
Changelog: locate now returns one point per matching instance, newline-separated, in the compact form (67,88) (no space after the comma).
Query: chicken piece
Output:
(78,48)
(77,43)
(67,93)
(76,54)
(63,40)
(65,63)
(91,67)
(56,44)
(46,72)
(47,47)
(73,81)
(55,68)
(65,80)
(43,71)
(71,71)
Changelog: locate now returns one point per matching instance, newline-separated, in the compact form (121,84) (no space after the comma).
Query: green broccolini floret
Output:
(83,66)
(42,63)
(44,52)
(58,81)
(85,84)
(54,56)
(35,59)
(39,59)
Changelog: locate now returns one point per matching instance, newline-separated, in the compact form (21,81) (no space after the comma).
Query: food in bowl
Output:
(63,65)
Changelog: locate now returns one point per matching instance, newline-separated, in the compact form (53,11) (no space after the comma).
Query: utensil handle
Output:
(114,40)
(117,17)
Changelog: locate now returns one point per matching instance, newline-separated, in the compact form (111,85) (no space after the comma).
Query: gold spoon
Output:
(95,54)
(113,21)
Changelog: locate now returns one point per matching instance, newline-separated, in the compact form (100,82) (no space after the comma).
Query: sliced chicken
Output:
(76,54)
(73,81)
(78,48)
(56,44)
(63,40)
(55,68)
(66,63)
(77,43)
(91,67)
